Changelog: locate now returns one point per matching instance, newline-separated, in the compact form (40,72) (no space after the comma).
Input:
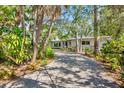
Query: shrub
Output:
(45,62)
(40,52)
(88,51)
(11,46)
(31,67)
(9,63)
(72,49)
(49,53)
(99,57)
(122,75)
(6,73)
(64,49)
(113,52)
(34,66)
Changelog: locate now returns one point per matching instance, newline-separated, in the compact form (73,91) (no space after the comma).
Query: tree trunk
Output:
(81,41)
(35,52)
(49,33)
(95,30)
(23,25)
(39,22)
(77,43)
(48,36)
(18,16)
(81,45)
(49,30)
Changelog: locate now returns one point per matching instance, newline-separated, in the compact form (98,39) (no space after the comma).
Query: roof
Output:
(108,37)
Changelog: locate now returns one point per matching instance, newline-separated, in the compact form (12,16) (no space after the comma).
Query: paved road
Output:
(68,70)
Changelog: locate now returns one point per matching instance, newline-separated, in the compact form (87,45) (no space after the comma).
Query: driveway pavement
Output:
(68,70)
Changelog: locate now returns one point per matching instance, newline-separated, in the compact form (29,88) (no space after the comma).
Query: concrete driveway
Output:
(68,70)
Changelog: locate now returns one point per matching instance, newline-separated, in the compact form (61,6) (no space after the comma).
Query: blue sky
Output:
(68,15)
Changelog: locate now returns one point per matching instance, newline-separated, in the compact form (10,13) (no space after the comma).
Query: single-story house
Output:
(87,42)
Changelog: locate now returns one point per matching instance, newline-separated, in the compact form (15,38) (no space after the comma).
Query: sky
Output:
(68,15)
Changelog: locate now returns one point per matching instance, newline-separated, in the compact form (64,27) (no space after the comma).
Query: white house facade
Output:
(87,42)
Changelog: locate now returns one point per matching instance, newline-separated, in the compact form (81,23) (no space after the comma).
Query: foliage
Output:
(69,49)
(35,65)
(40,53)
(7,15)
(34,26)
(113,52)
(9,63)
(88,51)
(6,73)
(32,66)
(64,49)
(49,53)
(72,49)
(111,22)
(122,75)
(11,46)
(45,62)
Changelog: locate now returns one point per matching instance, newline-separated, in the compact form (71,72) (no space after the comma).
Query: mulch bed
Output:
(21,71)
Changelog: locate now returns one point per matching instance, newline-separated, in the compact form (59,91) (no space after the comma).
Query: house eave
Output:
(82,38)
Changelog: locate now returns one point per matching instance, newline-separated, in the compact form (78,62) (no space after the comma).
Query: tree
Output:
(76,17)
(86,26)
(95,30)
(41,12)
(86,31)
(39,15)
(111,21)
(56,10)
(118,11)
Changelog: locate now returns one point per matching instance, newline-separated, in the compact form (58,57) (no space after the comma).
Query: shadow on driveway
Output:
(68,70)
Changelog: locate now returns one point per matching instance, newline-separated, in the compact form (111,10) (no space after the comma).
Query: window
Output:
(85,42)
(59,44)
(66,44)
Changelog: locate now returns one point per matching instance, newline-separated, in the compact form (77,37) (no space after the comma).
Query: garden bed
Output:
(22,70)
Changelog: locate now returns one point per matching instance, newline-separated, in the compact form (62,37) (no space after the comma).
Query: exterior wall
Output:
(62,44)
(51,44)
(88,46)
(92,43)
(73,43)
